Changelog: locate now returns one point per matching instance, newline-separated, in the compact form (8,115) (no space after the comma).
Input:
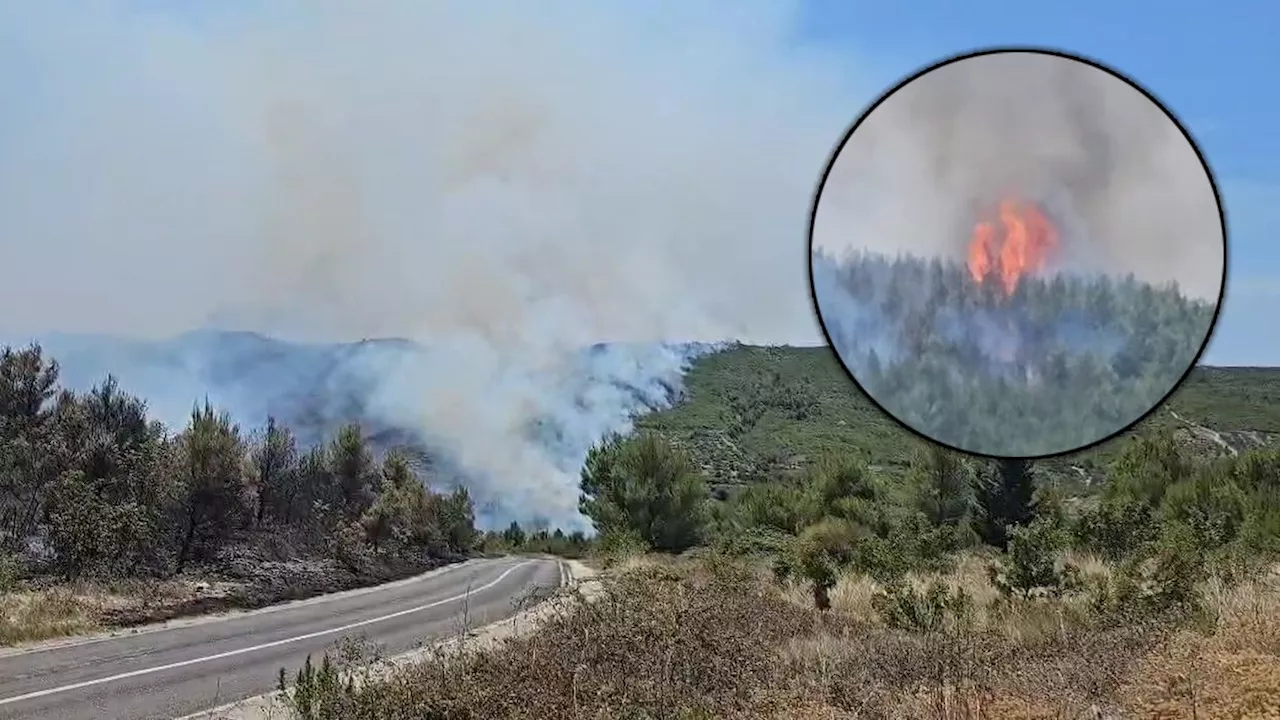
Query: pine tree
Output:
(1004,493)
(945,484)
(646,487)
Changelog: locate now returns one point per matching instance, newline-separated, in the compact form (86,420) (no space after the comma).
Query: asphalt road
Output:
(185,668)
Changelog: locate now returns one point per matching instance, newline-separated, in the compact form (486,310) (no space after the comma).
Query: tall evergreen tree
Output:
(1004,492)
(212,470)
(354,470)
(275,459)
(643,485)
(944,482)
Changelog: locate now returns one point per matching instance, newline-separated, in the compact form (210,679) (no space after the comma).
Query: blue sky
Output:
(1213,65)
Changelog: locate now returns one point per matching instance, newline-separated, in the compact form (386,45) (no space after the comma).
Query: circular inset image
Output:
(1017,253)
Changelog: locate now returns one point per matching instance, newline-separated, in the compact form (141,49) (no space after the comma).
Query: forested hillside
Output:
(750,412)
(1043,366)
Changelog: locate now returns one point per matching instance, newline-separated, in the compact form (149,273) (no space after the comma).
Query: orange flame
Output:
(1024,247)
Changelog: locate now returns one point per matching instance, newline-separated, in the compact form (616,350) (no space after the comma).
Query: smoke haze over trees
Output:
(316,389)
(1062,363)
(1123,183)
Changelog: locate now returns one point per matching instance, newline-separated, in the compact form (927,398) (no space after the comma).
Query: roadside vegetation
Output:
(942,587)
(108,518)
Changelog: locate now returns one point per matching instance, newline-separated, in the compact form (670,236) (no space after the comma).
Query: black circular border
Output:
(1040,50)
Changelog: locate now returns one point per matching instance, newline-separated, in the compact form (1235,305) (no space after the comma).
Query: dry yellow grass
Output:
(1233,672)
(34,615)
(853,597)
(77,608)
(692,639)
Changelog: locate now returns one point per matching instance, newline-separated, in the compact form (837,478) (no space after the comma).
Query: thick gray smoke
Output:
(504,183)
(1120,179)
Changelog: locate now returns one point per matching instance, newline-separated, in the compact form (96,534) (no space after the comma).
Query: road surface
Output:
(174,671)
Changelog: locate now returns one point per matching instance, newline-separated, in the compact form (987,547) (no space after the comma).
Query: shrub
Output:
(318,693)
(1161,586)
(620,545)
(821,551)
(944,485)
(10,571)
(1209,506)
(349,547)
(1031,564)
(937,608)
(1118,527)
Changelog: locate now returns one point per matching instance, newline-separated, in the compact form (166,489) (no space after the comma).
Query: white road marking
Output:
(182,623)
(262,702)
(263,646)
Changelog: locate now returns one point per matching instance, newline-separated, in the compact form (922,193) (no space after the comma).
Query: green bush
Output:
(938,608)
(750,541)
(619,545)
(1209,506)
(774,506)
(821,551)
(318,693)
(1147,466)
(943,481)
(350,549)
(1117,527)
(1162,586)
(901,545)
(10,571)
(842,486)
(1032,563)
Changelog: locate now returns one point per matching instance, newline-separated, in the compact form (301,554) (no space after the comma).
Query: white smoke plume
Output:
(506,183)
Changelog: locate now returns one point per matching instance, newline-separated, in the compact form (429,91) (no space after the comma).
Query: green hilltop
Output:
(752,413)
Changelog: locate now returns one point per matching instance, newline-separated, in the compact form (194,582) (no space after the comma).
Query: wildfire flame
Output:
(1027,240)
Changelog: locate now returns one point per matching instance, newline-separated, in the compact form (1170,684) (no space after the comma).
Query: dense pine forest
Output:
(1054,364)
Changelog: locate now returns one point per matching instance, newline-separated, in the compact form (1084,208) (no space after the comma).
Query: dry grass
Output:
(698,639)
(77,608)
(34,615)
(662,641)
(854,594)
(1070,667)
(1234,672)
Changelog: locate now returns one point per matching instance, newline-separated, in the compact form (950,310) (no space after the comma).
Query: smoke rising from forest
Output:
(504,183)
(1120,180)
(1017,254)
